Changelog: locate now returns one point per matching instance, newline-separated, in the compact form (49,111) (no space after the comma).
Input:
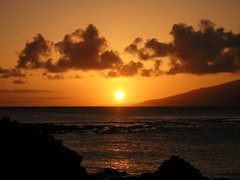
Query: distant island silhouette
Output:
(227,94)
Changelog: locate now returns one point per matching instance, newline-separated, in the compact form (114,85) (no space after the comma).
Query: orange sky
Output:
(41,66)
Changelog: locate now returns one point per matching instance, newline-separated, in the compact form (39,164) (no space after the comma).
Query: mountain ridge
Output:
(226,94)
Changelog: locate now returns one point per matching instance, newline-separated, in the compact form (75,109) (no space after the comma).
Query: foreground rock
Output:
(177,168)
(29,153)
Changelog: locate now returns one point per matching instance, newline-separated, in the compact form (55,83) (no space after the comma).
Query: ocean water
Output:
(138,139)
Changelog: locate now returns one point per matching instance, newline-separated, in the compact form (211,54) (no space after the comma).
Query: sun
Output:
(119,95)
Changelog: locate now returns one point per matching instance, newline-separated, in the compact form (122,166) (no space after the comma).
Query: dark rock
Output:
(146,176)
(29,154)
(114,172)
(109,173)
(178,169)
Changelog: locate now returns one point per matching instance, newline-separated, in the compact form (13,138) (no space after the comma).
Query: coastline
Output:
(34,146)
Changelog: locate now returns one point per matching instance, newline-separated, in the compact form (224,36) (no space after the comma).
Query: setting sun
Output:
(119,95)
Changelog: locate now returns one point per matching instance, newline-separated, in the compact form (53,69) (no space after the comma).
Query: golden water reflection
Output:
(119,150)
(119,164)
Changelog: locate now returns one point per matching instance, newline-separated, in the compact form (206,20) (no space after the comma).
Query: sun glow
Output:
(119,95)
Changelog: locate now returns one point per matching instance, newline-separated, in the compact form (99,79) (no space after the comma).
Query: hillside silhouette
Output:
(227,94)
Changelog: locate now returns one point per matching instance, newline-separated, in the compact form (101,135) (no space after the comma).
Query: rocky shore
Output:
(28,152)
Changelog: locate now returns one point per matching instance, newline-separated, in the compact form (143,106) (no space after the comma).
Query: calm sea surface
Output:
(138,139)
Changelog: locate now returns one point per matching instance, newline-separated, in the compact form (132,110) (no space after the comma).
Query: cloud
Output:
(83,50)
(19,81)
(7,73)
(22,100)
(151,49)
(35,53)
(203,51)
(126,70)
(154,71)
(54,77)
(134,69)
(25,91)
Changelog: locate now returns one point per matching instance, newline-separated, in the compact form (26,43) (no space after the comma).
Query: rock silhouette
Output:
(177,168)
(31,155)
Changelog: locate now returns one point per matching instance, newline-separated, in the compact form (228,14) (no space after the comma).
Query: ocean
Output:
(138,139)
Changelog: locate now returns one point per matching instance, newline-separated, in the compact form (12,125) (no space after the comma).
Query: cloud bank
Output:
(18,81)
(25,91)
(84,49)
(7,73)
(206,50)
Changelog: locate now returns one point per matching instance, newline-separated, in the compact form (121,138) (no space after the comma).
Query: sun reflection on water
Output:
(118,150)
(119,164)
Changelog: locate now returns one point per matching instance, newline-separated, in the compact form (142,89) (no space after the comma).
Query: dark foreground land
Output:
(28,152)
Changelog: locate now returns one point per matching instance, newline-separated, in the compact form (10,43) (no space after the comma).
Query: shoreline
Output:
(34,146)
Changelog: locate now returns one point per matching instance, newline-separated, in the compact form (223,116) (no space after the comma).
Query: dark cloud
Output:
(35,53)
(203,51)
(155,71)
(18,81)
(25,91)
(54,77)
(134,69)
(152,48)
(76,76)
(82,49)
(129,69)
(7,73)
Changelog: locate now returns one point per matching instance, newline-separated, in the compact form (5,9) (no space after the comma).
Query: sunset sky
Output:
(80,52)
